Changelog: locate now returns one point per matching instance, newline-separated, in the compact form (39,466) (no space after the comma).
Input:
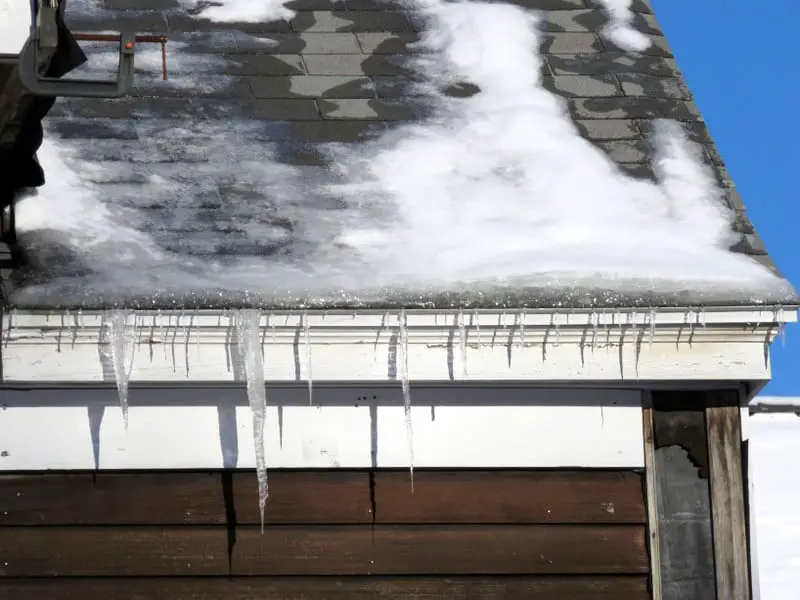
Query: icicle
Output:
(690,319)
(781,325)
(557,319)
(702,316)
(307,341)
(521,328)
(122,347)
(595,327)
(197,333)
(249,342)
(476,319)
(652,326)
(271,321)
(462,342)
(406,391)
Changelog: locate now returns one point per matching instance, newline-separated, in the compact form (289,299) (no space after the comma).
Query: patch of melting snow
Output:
(619,29)
(231,11)
(525,201)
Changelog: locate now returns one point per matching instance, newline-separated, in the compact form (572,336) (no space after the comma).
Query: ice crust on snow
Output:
(497,191)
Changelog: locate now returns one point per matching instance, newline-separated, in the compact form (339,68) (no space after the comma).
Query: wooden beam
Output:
(652,494)
(729,521)
(681,511)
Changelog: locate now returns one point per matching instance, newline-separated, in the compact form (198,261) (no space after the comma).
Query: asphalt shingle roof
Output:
(335,73)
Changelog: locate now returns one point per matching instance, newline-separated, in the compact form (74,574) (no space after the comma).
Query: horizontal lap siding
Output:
(329,534)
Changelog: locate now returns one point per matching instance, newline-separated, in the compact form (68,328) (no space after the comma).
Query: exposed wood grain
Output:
(510,497)
(323,550)
(683,503)
(727,500)
(333,588)
(173,498)
(652,493)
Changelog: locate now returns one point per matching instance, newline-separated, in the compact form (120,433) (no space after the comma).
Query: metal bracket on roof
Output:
(44,40)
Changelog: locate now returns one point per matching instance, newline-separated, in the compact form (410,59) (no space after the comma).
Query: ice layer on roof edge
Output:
(511,212)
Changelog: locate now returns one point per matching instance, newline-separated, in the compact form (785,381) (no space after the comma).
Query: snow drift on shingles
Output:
(497,188)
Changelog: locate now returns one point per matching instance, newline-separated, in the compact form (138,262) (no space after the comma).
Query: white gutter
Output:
(730,344)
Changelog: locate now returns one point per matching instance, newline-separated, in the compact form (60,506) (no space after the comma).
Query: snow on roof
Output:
(466,152)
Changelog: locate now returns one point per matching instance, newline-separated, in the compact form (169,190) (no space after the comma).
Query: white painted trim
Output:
(531,346)
(466,428)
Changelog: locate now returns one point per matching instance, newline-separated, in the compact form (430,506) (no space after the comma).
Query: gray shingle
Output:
(183,22)
(386,42)
(309,43)
(351,64)
(329,21)
(628,107)
(573,20)
(264,64)
(571,43)
(635,84)
(312,86)
(607,63)
(641,6)
(340,130)
(301,5)
(608,129)
(626,151)
(583,86)
(379,110)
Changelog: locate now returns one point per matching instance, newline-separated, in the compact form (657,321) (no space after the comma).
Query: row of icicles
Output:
(122,341)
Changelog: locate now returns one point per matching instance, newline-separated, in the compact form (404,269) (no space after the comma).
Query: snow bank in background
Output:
(775,459)
(15,25)
(777,401)
(498,188)
(231,11)
(619,30)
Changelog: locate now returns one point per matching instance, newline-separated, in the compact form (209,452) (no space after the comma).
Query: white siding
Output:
(466,428)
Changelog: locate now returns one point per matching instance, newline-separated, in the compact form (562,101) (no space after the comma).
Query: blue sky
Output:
(743,68)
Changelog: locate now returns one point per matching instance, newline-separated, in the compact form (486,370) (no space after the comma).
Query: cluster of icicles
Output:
(121,340)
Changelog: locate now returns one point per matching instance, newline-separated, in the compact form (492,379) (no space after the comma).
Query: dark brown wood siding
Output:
(490,534)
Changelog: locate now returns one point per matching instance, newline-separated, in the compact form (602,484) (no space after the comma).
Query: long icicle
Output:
(406,392)
(307,340)
(248,340)
(122,347)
